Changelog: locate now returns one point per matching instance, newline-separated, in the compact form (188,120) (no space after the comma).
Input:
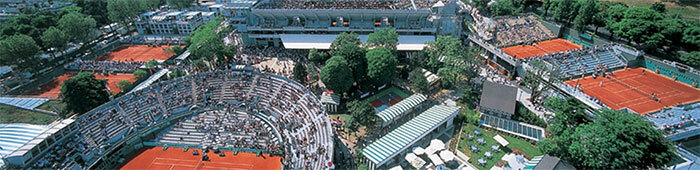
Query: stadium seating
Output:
(678,122)
(293,117)
(586,61)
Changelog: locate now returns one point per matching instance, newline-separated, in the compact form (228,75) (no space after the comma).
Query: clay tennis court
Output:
(176,158)
(142,53)
(53,89)
(541,48)
(632,89)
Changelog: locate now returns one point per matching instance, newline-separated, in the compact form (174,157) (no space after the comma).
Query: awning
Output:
(324,41)
(500,140)
(435,159)
(447,155)
(435,146)
(400,108)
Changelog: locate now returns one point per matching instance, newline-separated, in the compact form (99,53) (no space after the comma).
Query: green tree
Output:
(299,73)
(336,75)
(691,36)
(419,83)
(77,26)
(658,7)
(179,4)
(317,57)
(140,74)
(124,84)
(19,50)
(692,58)
(448,77)
(177,73)
(502,7)
(84,92)
(125,11)
(345,38)
(480,4)
(355,55)
(362,112)
(55,38)
(385,37)
(565,11)
(547,5)
(97,9)
(445,49)
(381,65)
(587,8)
(640,25)
(672,30)
(69,9)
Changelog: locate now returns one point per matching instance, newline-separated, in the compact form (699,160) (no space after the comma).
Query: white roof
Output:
(396,168)
(435,159)
(306,41)
(500,140)
(447,155)
(414,160)
(435,146)
(418,151)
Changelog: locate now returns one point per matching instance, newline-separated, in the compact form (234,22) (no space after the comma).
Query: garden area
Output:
(10,114)
(478,143)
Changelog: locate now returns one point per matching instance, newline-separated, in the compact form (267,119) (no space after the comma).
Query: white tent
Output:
(500,140)
(418,150)
(415,161)
(435,146)
(447,155)
(396,168)
(436,159)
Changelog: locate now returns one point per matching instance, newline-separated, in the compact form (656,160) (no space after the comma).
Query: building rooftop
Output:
(498,97)
(350,4)
(679,122)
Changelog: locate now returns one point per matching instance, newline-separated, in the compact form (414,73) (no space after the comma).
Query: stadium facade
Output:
(171,22)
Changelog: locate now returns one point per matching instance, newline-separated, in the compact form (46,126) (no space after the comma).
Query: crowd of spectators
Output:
(347,4)
(520,29)
(293,111)
(59,156)
(112,66)
(597,59)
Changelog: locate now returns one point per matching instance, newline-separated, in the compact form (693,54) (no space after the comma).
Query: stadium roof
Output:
(40,137)
(25,103)
(398,109)
(307,41)
(680,122)
(408,134)
(13,136)
(150,80)
(498,97)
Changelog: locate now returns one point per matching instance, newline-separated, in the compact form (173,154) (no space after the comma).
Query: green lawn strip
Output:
(488,134)
(523,145)
(9,114)
(48,106)
(386,91)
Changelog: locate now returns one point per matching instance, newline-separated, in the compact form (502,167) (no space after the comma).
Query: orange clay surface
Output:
(174,158)
(541,48)
(141,53)
(635,90)
(53,89)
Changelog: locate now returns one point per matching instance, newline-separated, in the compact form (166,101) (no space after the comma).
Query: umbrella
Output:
(447,155)
(418,150)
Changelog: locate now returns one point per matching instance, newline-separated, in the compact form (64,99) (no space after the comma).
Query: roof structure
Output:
(400,108)
(328,98)
(498,98)
(13,136)
(25,103)
(309,41)
(408,134)
(20,151)
(150,80)
(524,130)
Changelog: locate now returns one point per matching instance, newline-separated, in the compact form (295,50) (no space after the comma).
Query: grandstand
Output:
(678,122)
(116,129)
(540,48)
(13,136)
(520,29)
(586,61)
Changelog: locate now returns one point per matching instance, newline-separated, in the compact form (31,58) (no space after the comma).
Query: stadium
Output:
(232,113)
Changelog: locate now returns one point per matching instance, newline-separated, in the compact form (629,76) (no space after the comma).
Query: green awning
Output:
(401,107)
(408,134)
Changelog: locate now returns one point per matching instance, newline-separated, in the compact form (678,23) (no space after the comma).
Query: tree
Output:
(692,58)
(179,4)
(640,25)
(549,4)
(69,9)
(691,36)
(385,37)
(347,45)
(445,49)
(124,84)
(362,112)
(381,65)
(140,74)
(77,26)
(84,92)
(480,4)
(20,50)
(299,72)
(672,30)
(448,77)
(345,38)
(177,73)
(97,9)
(587,8)
(502,7)
(658,7)
(125,11)
(616,140)
(55,38)
(565,11)
(336,75)
(419,83)
(317,56)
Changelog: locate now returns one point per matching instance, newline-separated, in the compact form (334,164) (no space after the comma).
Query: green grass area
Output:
(386,91)
(9,114)
(488,134)
(51,104)
(691,11)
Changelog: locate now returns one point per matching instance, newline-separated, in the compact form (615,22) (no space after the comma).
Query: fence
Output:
(676,71)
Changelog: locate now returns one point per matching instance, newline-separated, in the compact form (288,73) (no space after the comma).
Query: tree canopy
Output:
(77,25)
(381,65)
(84,92)
(385,37)
(55,38)
(347,45)
(299,73)
(419,83)
(20,50)
(336,75)
(362,112)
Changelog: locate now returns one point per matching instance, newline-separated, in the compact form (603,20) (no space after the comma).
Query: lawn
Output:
(51,104)
(691,11)
(9,114)
(488,134)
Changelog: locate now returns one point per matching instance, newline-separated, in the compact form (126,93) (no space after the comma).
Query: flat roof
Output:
(408,134)
(39,138)
(324,41)
(498,97)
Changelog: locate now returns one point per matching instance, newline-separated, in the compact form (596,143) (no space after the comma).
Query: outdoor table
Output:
(488,155)
(494,147)
(481,141)
(481,161)
(477,132)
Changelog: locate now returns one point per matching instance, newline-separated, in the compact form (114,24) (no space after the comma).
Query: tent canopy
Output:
(435,159)
(500,140)
(447,155)
(324,41)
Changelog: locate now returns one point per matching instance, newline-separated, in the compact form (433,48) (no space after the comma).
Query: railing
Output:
(493,49)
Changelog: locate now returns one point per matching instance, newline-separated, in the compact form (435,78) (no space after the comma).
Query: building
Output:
(12,8)
(498,99)
(547,162)
(391,149)
(330,101)
(306,24)
(235,11)
(171,22)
